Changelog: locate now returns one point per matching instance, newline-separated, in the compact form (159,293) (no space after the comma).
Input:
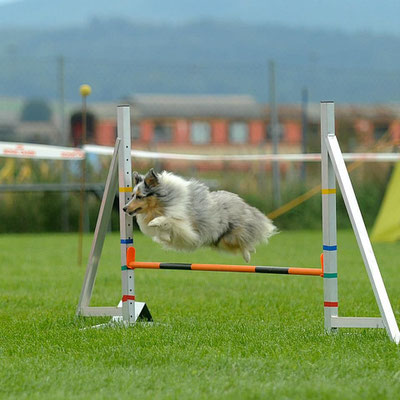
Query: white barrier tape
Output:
(28,150)
(102,150)
(372,157)
(312,157)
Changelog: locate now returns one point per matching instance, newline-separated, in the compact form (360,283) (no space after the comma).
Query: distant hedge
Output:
(48,211)
(42,212)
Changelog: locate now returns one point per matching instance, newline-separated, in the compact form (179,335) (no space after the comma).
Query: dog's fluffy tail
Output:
(269,229)
(262,226)
(258,230)
(266,228)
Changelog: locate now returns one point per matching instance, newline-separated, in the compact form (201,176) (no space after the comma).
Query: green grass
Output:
(217,336)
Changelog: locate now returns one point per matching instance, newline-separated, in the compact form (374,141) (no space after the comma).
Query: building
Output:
(207,123)
(203,123)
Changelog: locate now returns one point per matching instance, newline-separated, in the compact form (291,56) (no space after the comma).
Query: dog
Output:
(184,215)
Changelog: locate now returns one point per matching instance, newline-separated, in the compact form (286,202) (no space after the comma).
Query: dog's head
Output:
(145,194)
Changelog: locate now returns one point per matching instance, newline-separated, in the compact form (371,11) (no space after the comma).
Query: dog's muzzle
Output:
(131,213)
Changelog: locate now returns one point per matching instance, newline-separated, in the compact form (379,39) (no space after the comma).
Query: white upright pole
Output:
(125,194)
(364,244)
(329,244)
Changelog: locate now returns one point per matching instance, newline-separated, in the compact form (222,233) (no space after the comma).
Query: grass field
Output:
(217,336)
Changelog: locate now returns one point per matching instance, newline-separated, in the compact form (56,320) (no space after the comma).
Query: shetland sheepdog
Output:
(184,215)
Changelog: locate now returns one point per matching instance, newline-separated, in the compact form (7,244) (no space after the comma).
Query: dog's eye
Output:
(139,197)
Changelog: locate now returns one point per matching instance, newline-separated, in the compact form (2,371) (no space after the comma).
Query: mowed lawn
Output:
(217,335)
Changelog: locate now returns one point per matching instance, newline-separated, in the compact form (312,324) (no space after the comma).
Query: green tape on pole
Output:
(332,275)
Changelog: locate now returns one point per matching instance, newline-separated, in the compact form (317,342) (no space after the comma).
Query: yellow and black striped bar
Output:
(132,264)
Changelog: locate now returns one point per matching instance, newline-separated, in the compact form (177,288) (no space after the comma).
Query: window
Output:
(135,131)
(200,133)
(380,130)
(313,137)
(162,132)
(8,134)
(238,132)
(279,129)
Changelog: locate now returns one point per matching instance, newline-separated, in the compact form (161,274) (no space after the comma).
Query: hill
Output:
(350,16)
(118,57)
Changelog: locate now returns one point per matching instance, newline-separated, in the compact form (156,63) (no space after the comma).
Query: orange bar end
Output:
(130,256)
(322,264)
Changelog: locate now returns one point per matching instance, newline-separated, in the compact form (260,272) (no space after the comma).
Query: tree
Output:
(36,110)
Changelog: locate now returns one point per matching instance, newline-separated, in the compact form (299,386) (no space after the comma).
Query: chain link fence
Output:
(56,80)
(114,79)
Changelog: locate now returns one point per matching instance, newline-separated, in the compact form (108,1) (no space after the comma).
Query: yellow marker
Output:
(125,189)
(85,90)
(328,191)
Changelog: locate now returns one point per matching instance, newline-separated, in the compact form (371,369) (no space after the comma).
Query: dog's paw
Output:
(246,255)
(157,239)
(154,223)
(159,222)
(165,237)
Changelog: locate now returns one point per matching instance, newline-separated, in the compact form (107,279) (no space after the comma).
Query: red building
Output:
(200,121)
(206,123)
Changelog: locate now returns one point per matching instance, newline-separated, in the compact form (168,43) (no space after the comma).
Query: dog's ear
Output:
(151,178)
(136,178)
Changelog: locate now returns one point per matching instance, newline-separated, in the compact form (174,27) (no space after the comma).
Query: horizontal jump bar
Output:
(226,268)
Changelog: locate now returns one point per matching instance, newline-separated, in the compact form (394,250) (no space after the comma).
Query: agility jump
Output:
(132,264)
(333,168)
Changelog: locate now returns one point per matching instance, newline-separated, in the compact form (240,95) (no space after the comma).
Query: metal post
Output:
(304,129)
(329,218)
(275,132)
(63,141)
(125,194)
(84,90)
(62,137)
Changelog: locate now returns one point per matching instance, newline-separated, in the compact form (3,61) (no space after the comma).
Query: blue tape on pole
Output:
(126,241)
(329,248)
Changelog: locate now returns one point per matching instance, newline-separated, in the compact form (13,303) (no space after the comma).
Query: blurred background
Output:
(209,77)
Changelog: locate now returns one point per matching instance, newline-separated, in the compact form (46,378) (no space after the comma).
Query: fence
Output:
(37,181)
